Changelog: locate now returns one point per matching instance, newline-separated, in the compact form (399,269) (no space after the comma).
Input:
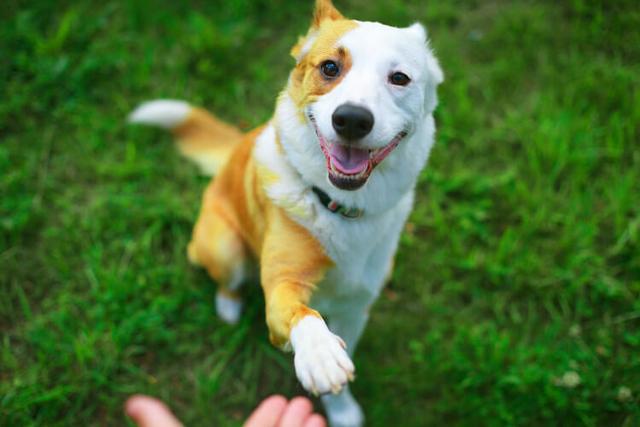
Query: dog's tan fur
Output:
(266,202)
(238,221)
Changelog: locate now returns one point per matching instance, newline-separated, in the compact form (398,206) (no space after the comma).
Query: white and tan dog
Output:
(318,195)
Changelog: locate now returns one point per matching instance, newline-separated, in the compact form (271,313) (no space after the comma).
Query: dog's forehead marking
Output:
(306,83)
(329,33)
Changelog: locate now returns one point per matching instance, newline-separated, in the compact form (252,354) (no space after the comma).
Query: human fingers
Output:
(268,413)
(296,412)
(315,420)
(146,411)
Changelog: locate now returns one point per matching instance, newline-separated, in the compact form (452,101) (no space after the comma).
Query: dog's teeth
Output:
(355,177)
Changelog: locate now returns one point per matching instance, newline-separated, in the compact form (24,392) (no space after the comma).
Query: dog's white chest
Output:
(362,250)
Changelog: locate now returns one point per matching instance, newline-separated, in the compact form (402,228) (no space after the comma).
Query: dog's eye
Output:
(329,69)
(399,79)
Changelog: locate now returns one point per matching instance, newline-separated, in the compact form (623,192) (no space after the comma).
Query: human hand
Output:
(274,411)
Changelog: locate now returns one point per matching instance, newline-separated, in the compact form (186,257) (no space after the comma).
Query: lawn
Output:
(516,297)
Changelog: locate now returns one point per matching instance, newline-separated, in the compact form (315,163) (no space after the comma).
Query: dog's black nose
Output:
(352,122)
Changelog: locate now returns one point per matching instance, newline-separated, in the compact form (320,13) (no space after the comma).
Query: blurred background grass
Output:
(516,295)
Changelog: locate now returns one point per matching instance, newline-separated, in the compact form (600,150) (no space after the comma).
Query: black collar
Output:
(336,207)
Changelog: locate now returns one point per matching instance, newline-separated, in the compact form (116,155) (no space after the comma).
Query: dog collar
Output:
(336,207)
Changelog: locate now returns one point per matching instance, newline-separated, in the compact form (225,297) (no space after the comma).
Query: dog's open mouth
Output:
(348,166)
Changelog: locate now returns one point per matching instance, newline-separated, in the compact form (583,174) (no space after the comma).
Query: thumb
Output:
(146,411)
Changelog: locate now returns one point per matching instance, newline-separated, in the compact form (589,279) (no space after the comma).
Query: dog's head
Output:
(362,88)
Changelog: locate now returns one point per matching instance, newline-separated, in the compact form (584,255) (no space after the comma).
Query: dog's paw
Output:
(321,362)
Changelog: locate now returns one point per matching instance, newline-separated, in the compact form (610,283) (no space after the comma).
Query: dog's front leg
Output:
(292,263)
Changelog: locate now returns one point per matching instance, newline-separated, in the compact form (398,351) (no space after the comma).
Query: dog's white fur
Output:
(362,249)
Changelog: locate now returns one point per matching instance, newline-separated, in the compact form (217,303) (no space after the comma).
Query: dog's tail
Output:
(201,137)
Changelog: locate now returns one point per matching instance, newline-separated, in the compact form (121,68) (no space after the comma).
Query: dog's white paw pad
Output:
(321,362)
(228,309)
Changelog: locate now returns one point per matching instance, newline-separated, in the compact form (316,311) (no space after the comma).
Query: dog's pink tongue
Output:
(349,160)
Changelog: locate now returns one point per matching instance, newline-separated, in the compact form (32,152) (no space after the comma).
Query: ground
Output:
(515,300)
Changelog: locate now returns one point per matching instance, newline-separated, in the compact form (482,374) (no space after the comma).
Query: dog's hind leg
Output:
(218,248)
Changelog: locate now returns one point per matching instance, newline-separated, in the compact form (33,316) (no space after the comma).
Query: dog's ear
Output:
(325,10)
(418,30)
(436,76)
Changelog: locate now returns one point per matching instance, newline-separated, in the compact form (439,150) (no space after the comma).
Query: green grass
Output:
(521,264)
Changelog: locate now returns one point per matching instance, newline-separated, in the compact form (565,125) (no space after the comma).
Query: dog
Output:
(319,195)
